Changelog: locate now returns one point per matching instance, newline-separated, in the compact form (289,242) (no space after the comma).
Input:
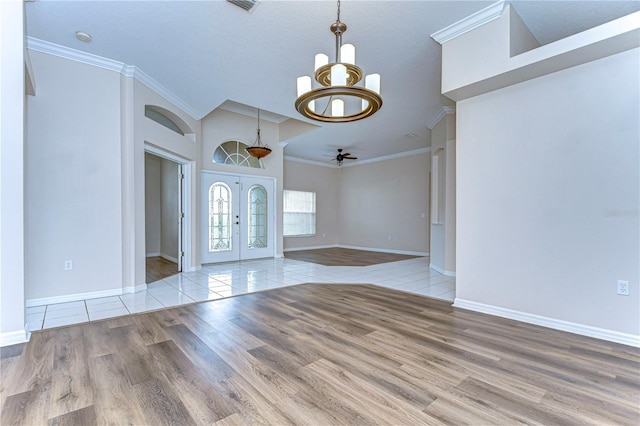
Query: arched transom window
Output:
(235,152)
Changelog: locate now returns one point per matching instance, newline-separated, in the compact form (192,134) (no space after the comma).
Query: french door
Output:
(238,217)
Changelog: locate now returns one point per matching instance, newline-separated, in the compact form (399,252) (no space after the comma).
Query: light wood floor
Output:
(158,268)
(337,256)
(318,355)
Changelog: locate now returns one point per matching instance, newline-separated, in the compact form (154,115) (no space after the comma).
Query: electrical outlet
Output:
(623,288)
(68,265)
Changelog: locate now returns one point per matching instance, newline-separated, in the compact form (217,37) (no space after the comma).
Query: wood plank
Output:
(27,408)
(70,380)
(202,401)
(133,352)
(202,356)
(267,380)
(115,400)
(96,339)
(161,405)
(83,416)
(33,368)
(253,407)
(158,268)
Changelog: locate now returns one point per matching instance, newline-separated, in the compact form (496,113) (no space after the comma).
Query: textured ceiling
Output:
(210,52)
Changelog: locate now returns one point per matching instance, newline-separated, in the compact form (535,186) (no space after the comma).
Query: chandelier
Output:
(338,83)
(258,150)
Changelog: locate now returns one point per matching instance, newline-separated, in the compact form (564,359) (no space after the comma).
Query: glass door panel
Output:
(220,225)
(257,226)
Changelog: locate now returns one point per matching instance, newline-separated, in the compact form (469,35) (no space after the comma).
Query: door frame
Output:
(185,200)
(274,219)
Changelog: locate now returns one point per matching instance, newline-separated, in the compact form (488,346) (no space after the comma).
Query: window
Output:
(219,217)
(257,217)
(167,119)
(235,152)
(299,218)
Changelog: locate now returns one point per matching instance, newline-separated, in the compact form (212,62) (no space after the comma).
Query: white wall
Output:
(73,189)
(161,207)
(170,203)
(384,205)
(548,196)
(443,193)
(12,263)
(325,182)
(153,203)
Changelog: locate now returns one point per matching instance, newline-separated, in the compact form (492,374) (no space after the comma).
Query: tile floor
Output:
(230,279)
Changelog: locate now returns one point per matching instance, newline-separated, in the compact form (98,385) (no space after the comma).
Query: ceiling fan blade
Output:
(351,158)
(346,154)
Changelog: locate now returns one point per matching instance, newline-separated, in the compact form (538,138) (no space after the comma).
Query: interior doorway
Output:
(164,213)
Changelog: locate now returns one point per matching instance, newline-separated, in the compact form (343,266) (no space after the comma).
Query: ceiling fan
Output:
(345,156)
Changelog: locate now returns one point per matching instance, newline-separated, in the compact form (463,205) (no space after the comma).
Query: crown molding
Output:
(471,22)
(389,157)
(152,84)
(74,55)
(312,162)
(361,162)
(109,64)
(445,110)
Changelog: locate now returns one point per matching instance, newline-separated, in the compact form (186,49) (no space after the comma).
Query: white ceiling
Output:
(210,52)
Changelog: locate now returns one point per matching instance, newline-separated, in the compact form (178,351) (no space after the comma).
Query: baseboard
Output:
(310,248)
(380,250)
(134,289)
(164,256)
(571,327)
(442,271)
(82,296)
(14,338)
(169,258)
(72,297)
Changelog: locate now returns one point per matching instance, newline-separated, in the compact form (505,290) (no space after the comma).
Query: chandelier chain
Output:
(338,20)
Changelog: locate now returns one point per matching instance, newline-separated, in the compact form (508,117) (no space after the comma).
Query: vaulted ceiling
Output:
(211,52)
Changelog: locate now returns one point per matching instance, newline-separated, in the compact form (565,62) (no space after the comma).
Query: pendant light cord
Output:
(258,139)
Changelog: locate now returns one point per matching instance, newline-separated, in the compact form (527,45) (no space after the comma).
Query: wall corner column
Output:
(12,133)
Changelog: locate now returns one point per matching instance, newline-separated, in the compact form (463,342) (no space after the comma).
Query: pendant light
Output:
(258,150)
